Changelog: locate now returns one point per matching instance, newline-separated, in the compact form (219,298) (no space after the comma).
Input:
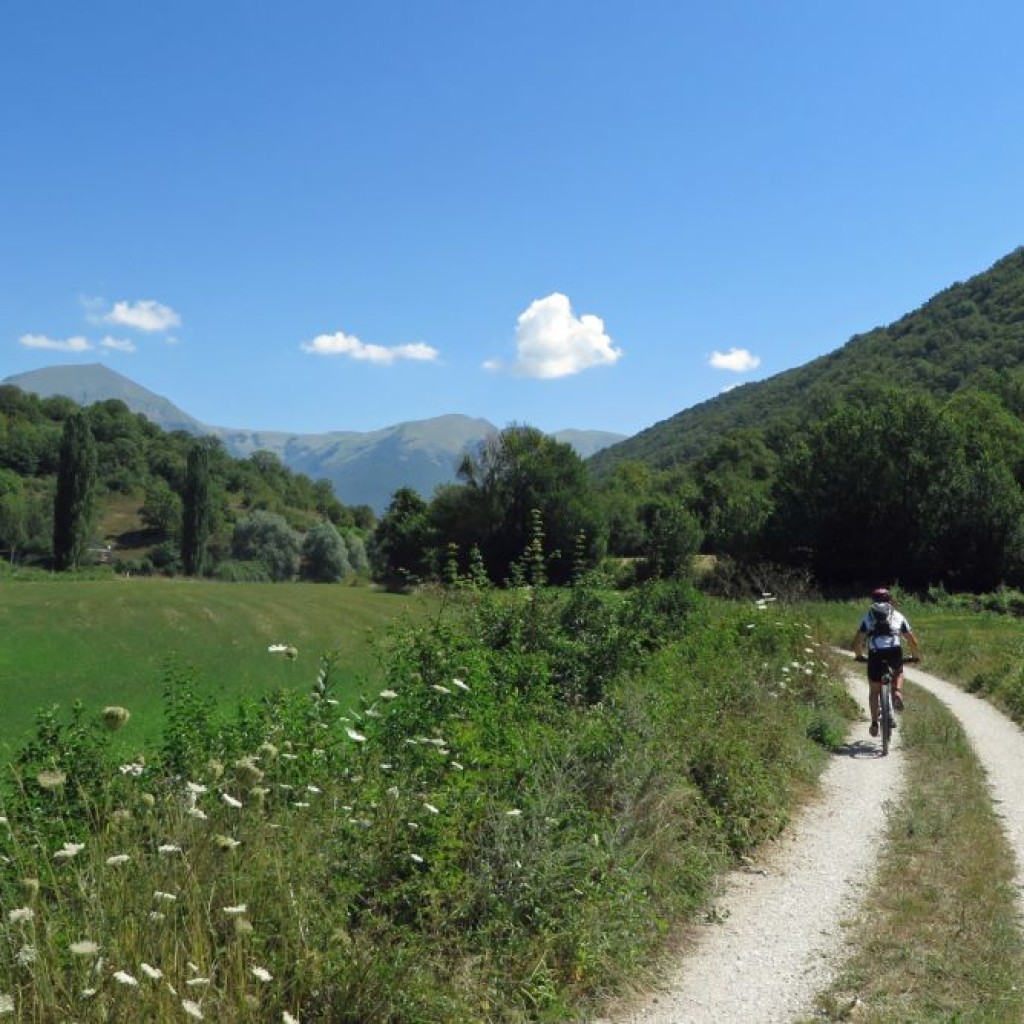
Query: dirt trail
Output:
(778,930)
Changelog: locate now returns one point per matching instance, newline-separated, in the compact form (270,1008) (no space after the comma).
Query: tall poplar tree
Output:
(74,504)
(197,510)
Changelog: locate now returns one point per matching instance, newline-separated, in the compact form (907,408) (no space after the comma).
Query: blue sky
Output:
(322,216)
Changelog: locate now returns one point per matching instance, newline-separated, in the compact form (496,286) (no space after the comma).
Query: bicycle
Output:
(886,712)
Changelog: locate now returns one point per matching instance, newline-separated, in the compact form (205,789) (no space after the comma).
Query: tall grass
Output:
(501,829)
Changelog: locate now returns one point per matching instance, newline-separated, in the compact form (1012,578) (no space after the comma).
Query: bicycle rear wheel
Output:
(885,714)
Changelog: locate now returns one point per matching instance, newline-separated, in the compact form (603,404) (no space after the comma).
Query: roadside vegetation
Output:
(503,826)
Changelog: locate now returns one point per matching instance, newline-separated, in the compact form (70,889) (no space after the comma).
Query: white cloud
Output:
(118,344)
(341,344)
(145,315)
(75,344)
(736,360)
(551,342)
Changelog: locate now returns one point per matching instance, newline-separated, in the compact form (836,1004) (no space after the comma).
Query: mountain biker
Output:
(883,628)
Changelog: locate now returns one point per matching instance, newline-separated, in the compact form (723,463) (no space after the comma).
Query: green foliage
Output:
(266,537)
(197,511)
(324,555)
(74,504)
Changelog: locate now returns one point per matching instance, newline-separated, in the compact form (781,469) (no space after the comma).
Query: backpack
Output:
(880,622)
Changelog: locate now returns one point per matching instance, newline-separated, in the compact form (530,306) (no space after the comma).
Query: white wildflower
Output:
(241,908)
(69,850)
(156,915)
(514,812)
(151,972)
(197,982)
(262,973)
(416,857)
(313,789)
(196,788)
(126,979)
(84,948)
(431,808)
(7,1004)
(26,956)
(198,813)
(166,848)
(358,737)
(192,1009)
(166,897)
(230,800)
(20,914)
(287,1018)
(388,694)
(118,858)
(460,684)
(277,648)
(441,689)
(132,769)
(458,767)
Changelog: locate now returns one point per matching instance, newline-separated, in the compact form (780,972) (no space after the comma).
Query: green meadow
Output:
(112,642)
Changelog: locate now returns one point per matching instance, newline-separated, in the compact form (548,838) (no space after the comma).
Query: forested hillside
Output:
(971,335)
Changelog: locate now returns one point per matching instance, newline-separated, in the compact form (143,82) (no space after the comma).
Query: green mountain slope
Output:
(970,334)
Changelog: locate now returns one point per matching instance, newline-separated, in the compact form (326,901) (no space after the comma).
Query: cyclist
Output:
(883,628)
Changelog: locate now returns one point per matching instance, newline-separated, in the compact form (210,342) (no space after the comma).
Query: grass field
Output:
(110,642)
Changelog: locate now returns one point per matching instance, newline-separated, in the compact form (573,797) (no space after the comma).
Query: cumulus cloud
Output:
(75,344)
(341,344)
(736,360)
(145,315)
(551,342)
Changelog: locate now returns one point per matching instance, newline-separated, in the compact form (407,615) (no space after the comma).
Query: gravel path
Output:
(777,934)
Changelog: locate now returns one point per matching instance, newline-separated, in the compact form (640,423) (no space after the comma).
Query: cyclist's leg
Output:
(874,701)
(897,679)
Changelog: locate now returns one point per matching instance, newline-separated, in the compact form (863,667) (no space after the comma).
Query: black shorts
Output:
(878,659)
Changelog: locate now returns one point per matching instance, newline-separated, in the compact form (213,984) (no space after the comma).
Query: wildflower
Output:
(313,789)
(115,717)
(151,972)
(267,749)
(197,812)
(460,684)
(157,915)
(230,800)
(197,982)
(134,768)
(458,767)
(277,648)
(215,768)
(192,1009)
(126,979)
(51,780)
(248,772)
(240,909)
(3,819)
(393,791)
(373,713)
(166,897)
(358,737)
(388,694)
(300,803)
(225,842)
(20,914)
(84,948)
(196,788)
(7,1004)
(287,1018)
(167,848)
(440,688)
(259,793)
(262,973)
(514,813)
(416,857)
(26,956)
(118,858)
(431,808)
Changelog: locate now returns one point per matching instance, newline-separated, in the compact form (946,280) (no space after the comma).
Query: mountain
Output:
(971,334)
(365,468)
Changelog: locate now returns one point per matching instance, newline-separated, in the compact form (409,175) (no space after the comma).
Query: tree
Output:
(324,554)
(197,511)
(402,539)
(162,509)
(266,537)
(74,503)
(516,472)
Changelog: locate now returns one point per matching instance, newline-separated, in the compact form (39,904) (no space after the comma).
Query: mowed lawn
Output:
(111,642)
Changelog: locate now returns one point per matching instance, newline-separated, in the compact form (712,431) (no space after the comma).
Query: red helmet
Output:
(881,594)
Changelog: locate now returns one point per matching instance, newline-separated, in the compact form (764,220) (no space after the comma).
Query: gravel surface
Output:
(776,935)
